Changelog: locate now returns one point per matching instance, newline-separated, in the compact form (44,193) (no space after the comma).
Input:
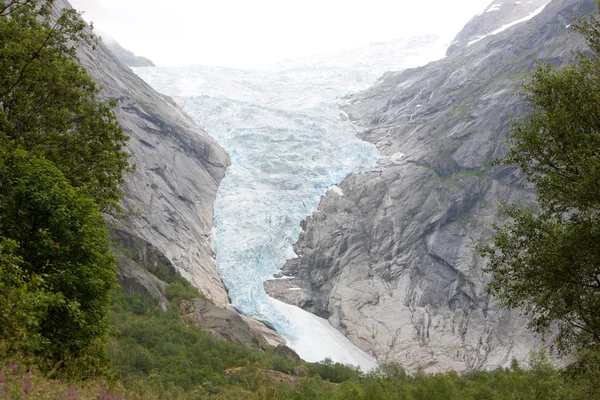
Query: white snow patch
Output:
(505,27)
(295,289)
(493,7)
(336,189)
(397,157)
(316,339)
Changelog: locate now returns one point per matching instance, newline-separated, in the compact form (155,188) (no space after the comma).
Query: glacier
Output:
(289,144)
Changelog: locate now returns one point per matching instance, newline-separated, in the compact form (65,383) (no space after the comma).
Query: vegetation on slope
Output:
(56,273)
(156,356)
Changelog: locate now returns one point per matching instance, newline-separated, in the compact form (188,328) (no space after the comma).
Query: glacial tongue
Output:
(288,143)
(315,339)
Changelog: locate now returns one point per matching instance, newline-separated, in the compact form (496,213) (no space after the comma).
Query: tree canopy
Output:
(546,259)
(50,106)
(62,161)
(63,258)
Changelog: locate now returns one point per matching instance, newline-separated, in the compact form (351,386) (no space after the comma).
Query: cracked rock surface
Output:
(390,263)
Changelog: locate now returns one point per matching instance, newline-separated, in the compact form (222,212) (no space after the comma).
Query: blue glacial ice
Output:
(288,142)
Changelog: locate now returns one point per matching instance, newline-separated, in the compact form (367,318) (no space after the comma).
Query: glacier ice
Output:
(289,144)
(316,334)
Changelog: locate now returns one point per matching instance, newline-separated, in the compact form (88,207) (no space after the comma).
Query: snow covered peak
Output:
(497,17)
(510,24)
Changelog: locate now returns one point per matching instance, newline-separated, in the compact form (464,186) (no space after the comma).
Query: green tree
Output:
(62,161)
(24,303)
(63,251)
(547,259)
(49,105)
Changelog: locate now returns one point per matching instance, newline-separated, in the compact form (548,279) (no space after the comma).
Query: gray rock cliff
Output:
(494,17)
(226,324)
(390,262)
(169,199)
(140,264)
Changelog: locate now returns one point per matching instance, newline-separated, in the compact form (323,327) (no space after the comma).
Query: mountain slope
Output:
(168,201)
(169,197)
(389,258)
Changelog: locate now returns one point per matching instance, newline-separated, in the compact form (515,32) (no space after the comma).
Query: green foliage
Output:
(537,382)
(63,258)
(554,278)
(548,262)
(181,291)
(48,104)
(157,348)
(159,344)
(582,377)
(156,356)
(540,381)
(556,143)
(333,372)
(126,252)
(20,381)
(178,288)
(61,165)
(24,301)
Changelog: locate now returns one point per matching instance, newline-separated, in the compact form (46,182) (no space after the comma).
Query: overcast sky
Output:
(251,33)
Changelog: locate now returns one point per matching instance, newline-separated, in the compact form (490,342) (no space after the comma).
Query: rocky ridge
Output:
(388,257)
(497,15)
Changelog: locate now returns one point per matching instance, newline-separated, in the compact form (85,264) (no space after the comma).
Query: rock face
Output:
(221,323)
(389,259)
(498,15)
(135,279)
(137,260)
(228,325)
(169,199)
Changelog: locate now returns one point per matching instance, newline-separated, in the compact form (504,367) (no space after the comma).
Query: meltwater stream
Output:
(288,142)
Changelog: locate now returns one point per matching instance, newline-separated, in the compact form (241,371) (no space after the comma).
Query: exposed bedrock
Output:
(169,199)
(389,259)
